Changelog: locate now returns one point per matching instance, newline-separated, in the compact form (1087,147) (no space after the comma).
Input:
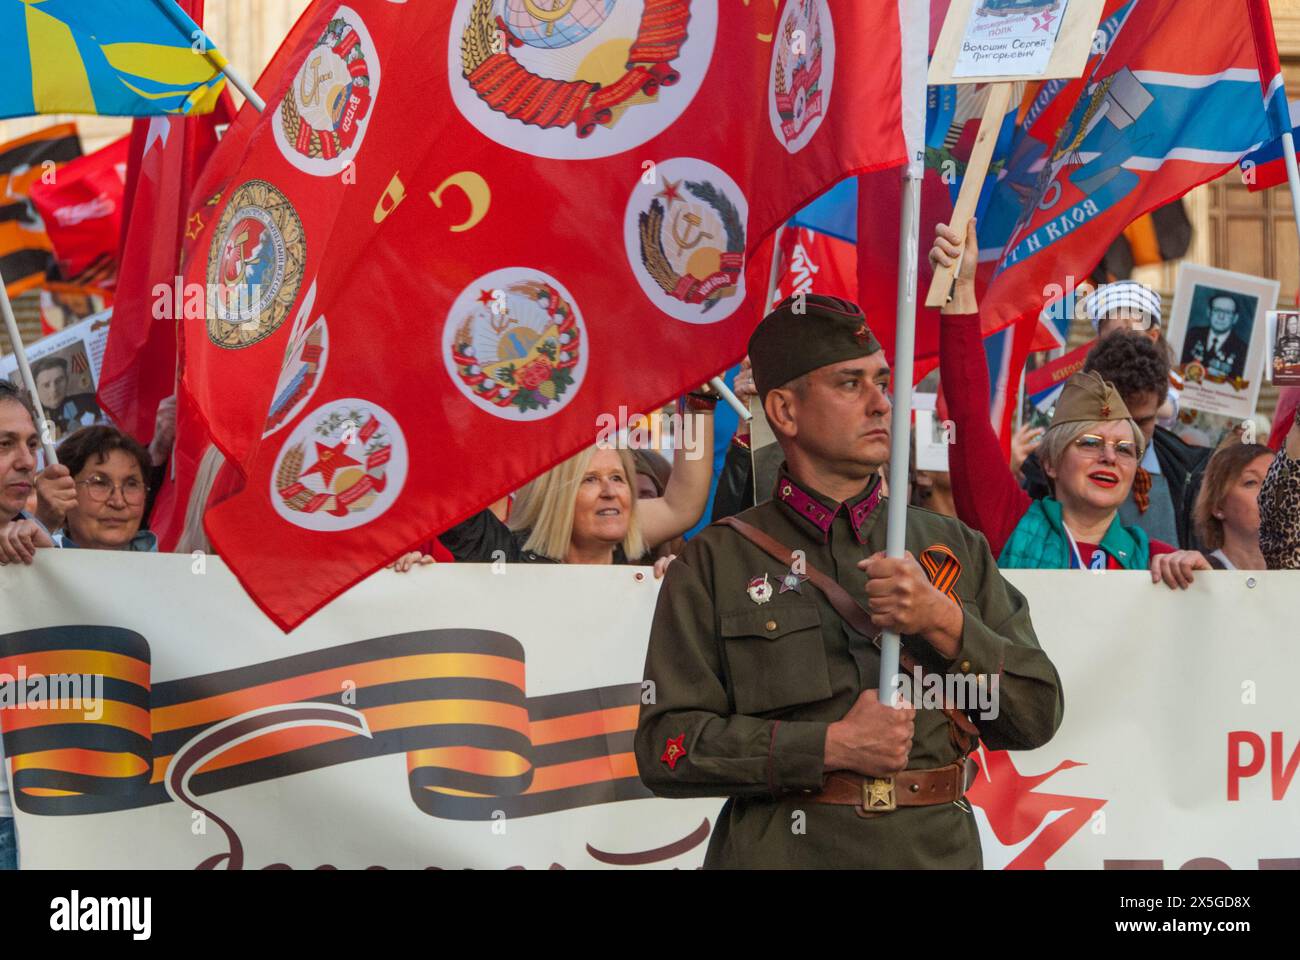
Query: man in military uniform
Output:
(1288,341)
(1217,346)
(763,683)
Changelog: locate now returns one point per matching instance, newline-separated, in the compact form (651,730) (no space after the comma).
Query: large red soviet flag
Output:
(463,232)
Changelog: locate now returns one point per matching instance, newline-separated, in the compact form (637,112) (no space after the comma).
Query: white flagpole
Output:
(914,18)
(181,20)
(11,327)
(731,399)
(242,85)
(1292,174)
(772,275)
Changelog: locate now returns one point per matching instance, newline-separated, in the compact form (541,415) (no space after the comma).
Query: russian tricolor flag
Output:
(1266,167)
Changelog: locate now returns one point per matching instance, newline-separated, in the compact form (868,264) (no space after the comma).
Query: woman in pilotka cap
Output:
(1090,453)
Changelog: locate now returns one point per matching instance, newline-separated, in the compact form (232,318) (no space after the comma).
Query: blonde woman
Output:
(586,509)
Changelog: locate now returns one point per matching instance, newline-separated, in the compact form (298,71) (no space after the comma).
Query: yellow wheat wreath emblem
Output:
(508,87)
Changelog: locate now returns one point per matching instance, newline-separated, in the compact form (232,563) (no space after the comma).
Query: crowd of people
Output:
(1105,486)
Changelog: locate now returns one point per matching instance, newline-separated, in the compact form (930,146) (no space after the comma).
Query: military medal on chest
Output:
(792,579)
(759,589)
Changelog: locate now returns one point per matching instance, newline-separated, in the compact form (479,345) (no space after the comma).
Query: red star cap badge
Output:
(674,751)
(863,333)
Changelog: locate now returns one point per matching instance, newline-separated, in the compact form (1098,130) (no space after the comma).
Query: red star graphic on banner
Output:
(485,297)
(329,460)
(671,191)
(674,751)
(1044,22)
(193,227)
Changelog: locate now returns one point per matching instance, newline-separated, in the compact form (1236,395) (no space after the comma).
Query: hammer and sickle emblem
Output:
(559,10)
(683,237)
(236,261)
(312,98)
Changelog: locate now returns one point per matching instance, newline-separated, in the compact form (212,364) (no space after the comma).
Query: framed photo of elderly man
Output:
(1284,336)
(1219,336)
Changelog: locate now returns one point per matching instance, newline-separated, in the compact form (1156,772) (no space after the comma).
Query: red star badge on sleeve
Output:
(674,751)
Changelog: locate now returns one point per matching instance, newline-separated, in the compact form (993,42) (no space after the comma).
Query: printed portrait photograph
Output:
(65,389)
(1285,348)
(1219,330)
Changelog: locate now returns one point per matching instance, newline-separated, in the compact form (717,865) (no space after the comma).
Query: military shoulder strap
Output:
(961,727)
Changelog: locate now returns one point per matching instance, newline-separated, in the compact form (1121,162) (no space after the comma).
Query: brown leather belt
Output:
(910,788)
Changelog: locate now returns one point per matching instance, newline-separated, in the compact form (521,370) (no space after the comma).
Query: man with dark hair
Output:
(20,532)
(20,537)
(1170,474)
(50,374)
(761,658)
(1217,346)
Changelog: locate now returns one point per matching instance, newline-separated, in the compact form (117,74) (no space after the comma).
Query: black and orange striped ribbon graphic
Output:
(453,701)
(943,569)
(25,249)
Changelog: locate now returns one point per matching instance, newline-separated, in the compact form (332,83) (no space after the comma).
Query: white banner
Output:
(460,717)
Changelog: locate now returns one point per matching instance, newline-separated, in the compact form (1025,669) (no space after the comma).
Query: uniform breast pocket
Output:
(776,657)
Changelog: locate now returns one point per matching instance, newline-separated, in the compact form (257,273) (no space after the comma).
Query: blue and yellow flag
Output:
(112,57)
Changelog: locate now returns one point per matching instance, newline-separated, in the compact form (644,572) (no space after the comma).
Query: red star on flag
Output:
(193,227)
(485,297)
(329,460)
(674,751)
(671,191)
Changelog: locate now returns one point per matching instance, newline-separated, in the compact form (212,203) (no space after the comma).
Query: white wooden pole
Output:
(11,327)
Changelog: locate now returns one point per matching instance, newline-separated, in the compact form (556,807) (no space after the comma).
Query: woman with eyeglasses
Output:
(110,470)
(1090,454)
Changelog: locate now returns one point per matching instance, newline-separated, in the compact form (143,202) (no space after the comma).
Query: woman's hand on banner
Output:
(406,561)
(1175,569)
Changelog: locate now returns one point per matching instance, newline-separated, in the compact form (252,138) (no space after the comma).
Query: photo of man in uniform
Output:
(66,412)
(1286,350)
(1216,342)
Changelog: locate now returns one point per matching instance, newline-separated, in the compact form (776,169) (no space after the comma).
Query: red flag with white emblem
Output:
(460,233)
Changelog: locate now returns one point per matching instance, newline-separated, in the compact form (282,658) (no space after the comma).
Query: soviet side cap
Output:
(1087,398)
(803,333)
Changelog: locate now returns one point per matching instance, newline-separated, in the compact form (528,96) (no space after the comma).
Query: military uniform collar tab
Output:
(820,511)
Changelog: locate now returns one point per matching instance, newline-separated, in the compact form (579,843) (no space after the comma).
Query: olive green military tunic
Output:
(743,691)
